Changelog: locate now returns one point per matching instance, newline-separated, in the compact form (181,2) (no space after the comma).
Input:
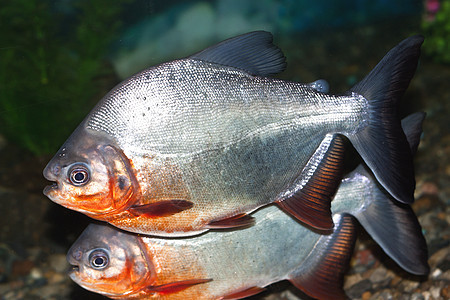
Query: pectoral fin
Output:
(244,293)
(322,273)
(175,287)
(310,199)
(161,208)
(241,220)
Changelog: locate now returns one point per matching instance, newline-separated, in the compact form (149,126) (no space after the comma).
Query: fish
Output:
(239,263)
(201,142)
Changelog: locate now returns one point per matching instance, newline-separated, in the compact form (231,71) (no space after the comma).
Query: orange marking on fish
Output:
(175,276)
(161,184)
(124,283)
(166,277)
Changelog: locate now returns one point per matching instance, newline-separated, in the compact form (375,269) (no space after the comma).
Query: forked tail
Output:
(382,143)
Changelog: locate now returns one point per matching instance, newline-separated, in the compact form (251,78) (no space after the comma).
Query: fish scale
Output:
(179,122)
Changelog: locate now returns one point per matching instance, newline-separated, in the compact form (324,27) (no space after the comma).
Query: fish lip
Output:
(51,173)
(50,188)
(73,269)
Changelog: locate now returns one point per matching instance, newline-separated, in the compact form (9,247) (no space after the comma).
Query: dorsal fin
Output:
(322,273)
(252,52)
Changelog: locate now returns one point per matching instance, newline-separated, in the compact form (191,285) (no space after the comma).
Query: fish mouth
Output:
(74,272)
(50,188)
(51,173)
(74,269)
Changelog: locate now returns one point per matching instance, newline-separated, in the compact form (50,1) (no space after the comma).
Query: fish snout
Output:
(51,172)
(74,259)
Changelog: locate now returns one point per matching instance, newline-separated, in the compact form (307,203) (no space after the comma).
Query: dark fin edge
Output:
(252,52)
(322,273)
(240,220)
(312,203)
(244,293)
(175,287)
(382,143)
(161,208)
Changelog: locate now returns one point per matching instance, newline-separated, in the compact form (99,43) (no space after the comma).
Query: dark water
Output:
(40,107)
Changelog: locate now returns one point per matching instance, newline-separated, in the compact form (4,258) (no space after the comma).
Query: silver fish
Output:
(240,263)
(200,142)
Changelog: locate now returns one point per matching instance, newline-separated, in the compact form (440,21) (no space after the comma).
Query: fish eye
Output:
(99,259)
(79,175)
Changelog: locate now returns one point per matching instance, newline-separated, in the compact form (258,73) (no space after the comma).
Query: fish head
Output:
(109,261)
(92,175)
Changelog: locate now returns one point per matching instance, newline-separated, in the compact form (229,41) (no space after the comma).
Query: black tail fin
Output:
(393,225)
(382,143)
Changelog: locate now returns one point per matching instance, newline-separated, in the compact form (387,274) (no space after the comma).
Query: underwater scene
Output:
(286,150)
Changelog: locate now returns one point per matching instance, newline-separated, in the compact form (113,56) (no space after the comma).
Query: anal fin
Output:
(240,220)
(322,273)
(161,208)
(244,293)
(175,287)
(310,199)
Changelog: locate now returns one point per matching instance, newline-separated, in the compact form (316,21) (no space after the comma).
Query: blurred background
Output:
(58,59)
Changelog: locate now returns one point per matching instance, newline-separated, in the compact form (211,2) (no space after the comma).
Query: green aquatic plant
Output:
(436,27)
(51,65)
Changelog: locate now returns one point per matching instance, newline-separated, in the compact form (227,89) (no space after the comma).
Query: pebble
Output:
(417,296)
(409,285)
(359,288)
(383,295)
(36,274)
(351,280)
(366,295)
(22,267)
(436,273)
(59,262)
(445,276)
(396,280)
(435,292)
(445,292)
(426,295)
(430,188)
(378,275)
(54,277)
(439,256)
